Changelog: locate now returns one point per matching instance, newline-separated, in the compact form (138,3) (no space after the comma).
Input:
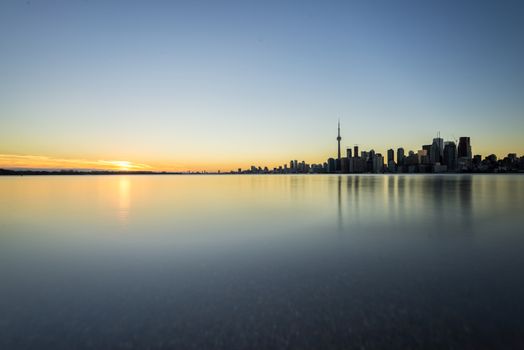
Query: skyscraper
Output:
(425,159)
(440,141)
(436,150)
(400,156)
(391,160)
(464,148)
(355,151)
(450,155)
(377,163)
(331,165)
(391,155)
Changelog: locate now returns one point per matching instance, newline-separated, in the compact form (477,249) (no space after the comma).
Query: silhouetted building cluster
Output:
(447,157)
(438,157)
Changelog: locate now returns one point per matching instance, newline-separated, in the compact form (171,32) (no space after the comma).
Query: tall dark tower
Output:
(464,148)
(338,140)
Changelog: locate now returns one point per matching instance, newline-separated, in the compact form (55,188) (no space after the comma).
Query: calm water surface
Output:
(262,262)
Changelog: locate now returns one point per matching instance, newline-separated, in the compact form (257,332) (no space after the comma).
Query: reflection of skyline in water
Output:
(434,201)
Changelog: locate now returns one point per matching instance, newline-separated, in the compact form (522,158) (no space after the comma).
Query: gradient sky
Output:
(193,85)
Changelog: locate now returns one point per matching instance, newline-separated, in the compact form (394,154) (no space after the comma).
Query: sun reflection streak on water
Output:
(124,200)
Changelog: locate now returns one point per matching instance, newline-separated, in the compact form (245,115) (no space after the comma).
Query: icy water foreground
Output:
(262,262)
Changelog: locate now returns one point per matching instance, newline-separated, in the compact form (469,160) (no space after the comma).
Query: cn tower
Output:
(338,140)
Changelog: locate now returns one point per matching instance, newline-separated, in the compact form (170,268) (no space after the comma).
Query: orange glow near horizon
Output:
(32,161)
(13,161)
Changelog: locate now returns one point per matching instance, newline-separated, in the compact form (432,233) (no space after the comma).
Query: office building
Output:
(450,156)
(464,148)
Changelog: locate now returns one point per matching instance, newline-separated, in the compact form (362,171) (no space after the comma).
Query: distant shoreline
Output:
(6,172)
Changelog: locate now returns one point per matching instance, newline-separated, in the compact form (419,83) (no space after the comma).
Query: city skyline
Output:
(182,86)
(441,156)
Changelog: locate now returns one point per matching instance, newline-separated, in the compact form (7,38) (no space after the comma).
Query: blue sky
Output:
(207,85)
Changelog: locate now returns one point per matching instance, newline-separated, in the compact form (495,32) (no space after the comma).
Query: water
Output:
(262,262)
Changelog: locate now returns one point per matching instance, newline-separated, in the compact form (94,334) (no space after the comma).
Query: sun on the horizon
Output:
(122,165)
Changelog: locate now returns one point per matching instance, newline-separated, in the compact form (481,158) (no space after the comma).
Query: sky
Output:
(218,85)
